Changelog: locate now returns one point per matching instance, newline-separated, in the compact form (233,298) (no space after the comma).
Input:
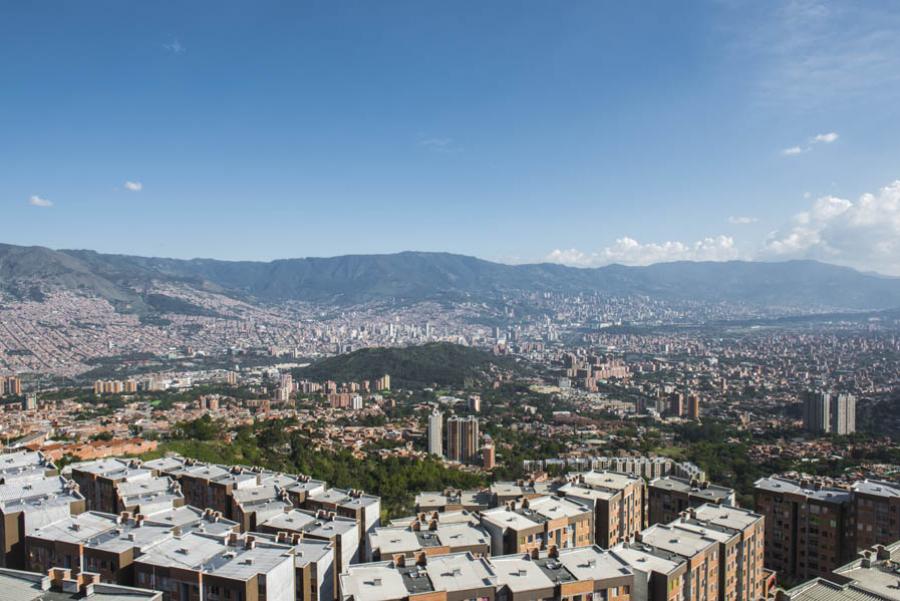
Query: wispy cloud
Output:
(37,201)
(817,139)
(437,144)
(175,47)
(134,186)
(813,52)
(742,220)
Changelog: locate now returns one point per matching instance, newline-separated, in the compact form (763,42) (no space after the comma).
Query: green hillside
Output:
(435,364)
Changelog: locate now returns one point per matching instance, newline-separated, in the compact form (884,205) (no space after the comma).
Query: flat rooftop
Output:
(709,492)
(193,519)
(646,559)
(879,488)
(785,486)
(504,518)
(607,479)
(373,582)
(682,542)
(27,586)
(593,563)
(726,516)
(211,556)
(459,572)
(446,517)
(520,573)
(402,539)
(580,491)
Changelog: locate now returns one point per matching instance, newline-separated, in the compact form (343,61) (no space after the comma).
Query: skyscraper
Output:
(829,413)
(843,414)
(816,416)
(462,439)
(436,433)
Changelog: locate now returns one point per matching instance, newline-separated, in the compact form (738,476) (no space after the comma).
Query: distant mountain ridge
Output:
(419,276)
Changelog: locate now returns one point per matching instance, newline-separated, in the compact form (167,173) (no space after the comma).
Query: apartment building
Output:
(808,529)
(429,537)
(701,581)
(302,488)
(251,506)
(315,577)
(354,504)
(101,543)
(148,495)
(559,575)
(197,566)
(446,578)
(98,481)
(62,585)
(669,496)
(617,500)
(537,524)
(463,439)
(211,486)
(872,576)
(658,575)
(571,574)
(341,532)
(20,466)
(729,543)
(875,513)
(749,556)
(26,506)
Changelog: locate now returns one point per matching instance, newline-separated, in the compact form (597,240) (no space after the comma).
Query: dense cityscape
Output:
(549,453)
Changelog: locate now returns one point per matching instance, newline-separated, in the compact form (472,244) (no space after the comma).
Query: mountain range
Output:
(408,277)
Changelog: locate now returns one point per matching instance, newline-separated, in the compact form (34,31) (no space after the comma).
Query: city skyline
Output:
(584,134)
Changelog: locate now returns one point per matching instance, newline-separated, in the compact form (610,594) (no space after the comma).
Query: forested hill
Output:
(435,364)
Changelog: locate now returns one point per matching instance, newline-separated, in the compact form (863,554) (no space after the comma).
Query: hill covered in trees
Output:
(436,364)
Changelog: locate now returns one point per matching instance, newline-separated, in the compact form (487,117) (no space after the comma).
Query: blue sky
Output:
(581,132)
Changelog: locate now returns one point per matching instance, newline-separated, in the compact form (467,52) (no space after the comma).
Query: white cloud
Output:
(37,201)
(742,220)
(793,150)
(629,251)
(817,139)
(134,186)
(174,47)
(864,234)
(825,138)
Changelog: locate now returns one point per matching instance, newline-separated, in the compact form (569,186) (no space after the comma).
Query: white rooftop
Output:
(729,517)
(683,542)
(520,573)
